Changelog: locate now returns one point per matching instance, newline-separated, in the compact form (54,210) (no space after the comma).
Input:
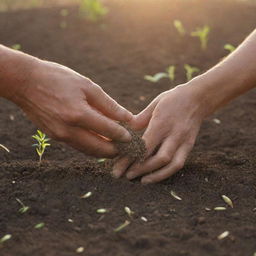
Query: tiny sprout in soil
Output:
(102,210)
(190,71)
(155,78)
(179,26)
(80,249)
(101,160)
(220,208)
(122,226)
(39,225)
(174,195)
(16,47)
(41,144)
(203,35)
(5,148)
(128,211)
(64,12)
(229,47)
(5,238)
(171,72)
(87,195)
(23,208)
(223,235)
(93,10)
(228,201)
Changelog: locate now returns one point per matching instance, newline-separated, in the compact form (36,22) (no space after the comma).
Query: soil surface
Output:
(136,38)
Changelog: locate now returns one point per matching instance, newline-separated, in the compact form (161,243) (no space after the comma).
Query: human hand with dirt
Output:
(64,104)
(173,119)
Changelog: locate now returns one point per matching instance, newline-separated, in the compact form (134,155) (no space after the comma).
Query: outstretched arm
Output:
(173,119)
(64,104)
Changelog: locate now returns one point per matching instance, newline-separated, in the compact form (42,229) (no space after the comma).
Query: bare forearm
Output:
(15,70)
(229,79)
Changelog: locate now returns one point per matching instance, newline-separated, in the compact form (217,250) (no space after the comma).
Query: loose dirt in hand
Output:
(134,150)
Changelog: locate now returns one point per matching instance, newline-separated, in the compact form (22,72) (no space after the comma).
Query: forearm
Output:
(234,76)
(15,71)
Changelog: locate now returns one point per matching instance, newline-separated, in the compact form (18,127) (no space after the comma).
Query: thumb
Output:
(140,121)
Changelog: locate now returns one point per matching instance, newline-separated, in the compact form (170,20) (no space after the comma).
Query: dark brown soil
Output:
(137,39)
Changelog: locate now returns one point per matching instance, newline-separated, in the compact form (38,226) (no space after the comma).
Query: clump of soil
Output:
(135,150)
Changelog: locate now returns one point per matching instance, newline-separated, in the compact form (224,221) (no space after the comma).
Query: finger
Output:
(90,144)
(91,119)
(175,165)
(142,120)
(108,106)
(121,166)
(162,158)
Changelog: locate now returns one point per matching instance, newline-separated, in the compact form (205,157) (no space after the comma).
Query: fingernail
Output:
(146,181)
(130,175)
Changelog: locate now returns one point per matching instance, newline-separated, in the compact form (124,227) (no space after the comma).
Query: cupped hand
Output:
(172,122)
(71,108)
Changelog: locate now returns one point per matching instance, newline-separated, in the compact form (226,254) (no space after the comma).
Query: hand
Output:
(172,123)
(71,108)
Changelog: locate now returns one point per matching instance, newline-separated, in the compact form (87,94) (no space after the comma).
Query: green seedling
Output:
(93,10)
(39,225)
(203,35)
(80,249)
(102,210)
(190,71)
(179,27)
(171,72)
(155,78)
(128,211)
(122,226)
(5,238)
(42,143)
(229,47)
(64,12)
(16,47)
(220,208)
(87,195)
(223,235)
(228,201)
(5,148)
(174,195)
(101,160)
(23,208)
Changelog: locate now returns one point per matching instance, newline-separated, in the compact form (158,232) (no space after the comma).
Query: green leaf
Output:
(39,225)
(156,77)
(171,72)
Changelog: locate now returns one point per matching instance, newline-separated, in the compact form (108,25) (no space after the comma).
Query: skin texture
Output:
(172,121)
(64,104)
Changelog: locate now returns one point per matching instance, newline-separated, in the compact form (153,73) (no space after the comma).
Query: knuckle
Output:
(164,158)
(179,165)
(72,117)
(60,135)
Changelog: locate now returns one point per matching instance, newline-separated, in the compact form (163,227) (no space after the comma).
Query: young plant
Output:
(171,72)
(5,148)
(5,238)
(122,226)
(23,208)
(42,143)
(155,78)
(190,71)
(179,27)
(39,225)
(203,35)
(16,47)
(93,10)
(229,47)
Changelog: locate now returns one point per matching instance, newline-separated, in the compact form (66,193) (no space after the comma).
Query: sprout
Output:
(39,225)
(155,78)
(220,208)
(88,194)
(93,10)
(190,71)
(216,121)
(5,238)
(143,219)
(122,226)
(171,72)
(80,249)
(41,145)
(228,201)
(179,26)
(23,208)
(16,47)
(101,160)
(202,34)
(207,209)
(5,148)
(102,210)
(229,47)
(128,211)
(223,235)
(176,196)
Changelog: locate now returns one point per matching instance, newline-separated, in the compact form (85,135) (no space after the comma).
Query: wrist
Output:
(16,73)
